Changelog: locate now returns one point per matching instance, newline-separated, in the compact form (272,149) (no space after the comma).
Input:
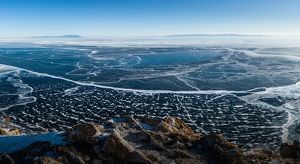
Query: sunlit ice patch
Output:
(5,68)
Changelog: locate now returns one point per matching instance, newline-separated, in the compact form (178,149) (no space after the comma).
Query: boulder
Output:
(216,148)
(176,126)
(10,132)
(209,141)
(46,160)
(2,132)
(181,154)
(117,146)
(14,132)
(82,132)
(119,149)
(72,158)
(71,154)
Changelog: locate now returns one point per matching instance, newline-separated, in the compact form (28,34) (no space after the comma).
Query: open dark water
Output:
(251,95)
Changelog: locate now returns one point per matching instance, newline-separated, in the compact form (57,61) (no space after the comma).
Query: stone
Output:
(46,160)
(14,132)
(2,132)
(117,146)
(74,159)
(176,126)
(211,140)
(120,149)
(81,132)
(156,140)
(74,153)
(10,132)
(177,145)
(181,154)
(216,148)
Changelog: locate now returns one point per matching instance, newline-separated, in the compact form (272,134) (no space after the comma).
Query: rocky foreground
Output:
(133,140)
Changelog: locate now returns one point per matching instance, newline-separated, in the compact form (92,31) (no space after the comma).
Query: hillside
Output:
(132,140)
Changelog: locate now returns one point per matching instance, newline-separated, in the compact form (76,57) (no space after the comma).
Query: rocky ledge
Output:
(133,140)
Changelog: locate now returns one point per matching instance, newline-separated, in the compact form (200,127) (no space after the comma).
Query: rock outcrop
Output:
(9,132)
(144,140)
(176,127)
(86,131)
(6,129)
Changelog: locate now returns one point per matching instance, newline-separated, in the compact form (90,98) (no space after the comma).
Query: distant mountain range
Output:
(59,36)
(214,35)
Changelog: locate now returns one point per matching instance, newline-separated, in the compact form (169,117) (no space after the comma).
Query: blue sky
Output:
(148,17)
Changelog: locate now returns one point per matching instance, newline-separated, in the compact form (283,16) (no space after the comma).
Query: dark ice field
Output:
(251,95)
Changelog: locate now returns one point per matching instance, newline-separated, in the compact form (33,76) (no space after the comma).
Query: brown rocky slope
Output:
(138,140)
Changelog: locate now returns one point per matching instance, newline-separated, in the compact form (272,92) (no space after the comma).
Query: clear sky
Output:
(148,17)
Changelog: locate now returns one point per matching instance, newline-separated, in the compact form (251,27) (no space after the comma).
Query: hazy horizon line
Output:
(164,35)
